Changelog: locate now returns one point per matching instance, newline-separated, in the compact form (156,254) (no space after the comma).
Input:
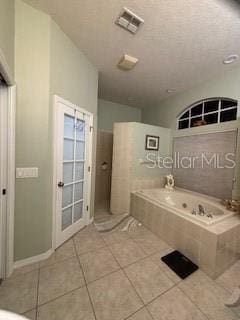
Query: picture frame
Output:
(152,143)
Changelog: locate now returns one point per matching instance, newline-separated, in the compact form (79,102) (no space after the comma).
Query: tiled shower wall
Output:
(127,173)
(103,177)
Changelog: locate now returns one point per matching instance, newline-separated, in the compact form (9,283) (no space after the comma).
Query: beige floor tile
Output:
(148,279)
(127,252)
(66,251)
(208,296)
(113,297)
(174,305)
(115,236)
(156,258)
(138,231)
(151,243)
(31,315)
(59,279)
(19,294)
(229,278)
(25,269)
(73,306)
(142,314)
(96,264)
(88,240)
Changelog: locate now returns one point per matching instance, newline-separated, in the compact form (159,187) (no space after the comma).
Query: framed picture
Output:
(152,143)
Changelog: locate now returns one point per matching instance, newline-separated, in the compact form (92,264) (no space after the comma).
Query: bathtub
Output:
(186,204)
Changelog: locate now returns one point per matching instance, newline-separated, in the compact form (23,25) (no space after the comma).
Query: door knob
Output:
(60,184)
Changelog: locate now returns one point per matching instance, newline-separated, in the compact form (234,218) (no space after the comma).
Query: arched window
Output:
(208,111)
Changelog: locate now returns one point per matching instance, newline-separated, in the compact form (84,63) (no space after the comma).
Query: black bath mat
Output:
(180,264)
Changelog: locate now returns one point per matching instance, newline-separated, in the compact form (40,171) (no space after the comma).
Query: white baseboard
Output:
(40,257)
(34,259)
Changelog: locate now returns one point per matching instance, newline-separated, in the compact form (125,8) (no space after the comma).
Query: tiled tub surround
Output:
(213,248)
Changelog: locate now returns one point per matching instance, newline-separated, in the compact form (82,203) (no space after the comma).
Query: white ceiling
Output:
(182,43)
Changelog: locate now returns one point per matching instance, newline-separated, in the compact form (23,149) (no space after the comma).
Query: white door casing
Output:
(72,167)
(3,178)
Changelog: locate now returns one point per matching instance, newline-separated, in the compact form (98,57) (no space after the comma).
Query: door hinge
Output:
(91,128)
(87,208)
(89,168)
(4,191)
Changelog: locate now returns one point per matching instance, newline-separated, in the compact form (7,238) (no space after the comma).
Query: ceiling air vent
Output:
(129,21)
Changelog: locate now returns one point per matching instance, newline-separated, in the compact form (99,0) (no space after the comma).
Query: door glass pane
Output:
(78,193)
(67,172)
(80,146)
(80,130)
(79,171)
(68,149)
(78,211)
(69,126)
(66,218)
(67,196)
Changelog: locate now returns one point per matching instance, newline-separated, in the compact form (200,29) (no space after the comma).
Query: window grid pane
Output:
(212,111)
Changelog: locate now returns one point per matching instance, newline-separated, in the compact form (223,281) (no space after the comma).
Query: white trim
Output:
(5,70)
(34,259)
(56,100)
(11,105)
(11,180)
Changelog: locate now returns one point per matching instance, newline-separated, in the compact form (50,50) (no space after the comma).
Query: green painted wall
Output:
(7,31)
(32,69)
(226,85)
(75,79)
(110,112)
(47,63)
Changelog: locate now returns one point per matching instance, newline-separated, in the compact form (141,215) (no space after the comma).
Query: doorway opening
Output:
(103,175)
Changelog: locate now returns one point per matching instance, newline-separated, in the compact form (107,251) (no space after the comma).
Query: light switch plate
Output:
(23,173)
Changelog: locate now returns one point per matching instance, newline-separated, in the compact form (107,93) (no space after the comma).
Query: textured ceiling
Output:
(182,43)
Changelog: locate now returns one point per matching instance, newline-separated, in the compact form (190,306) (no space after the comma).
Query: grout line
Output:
(36,311)
(90,299)
(58,297)
(144,304)
(194,303)
(56,262)
(143,308)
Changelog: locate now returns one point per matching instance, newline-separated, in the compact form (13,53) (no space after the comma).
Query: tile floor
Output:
(116,276)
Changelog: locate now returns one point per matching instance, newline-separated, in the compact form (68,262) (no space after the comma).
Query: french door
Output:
(73,170)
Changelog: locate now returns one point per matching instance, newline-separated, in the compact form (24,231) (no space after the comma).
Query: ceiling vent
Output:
(129,21)
(127,62)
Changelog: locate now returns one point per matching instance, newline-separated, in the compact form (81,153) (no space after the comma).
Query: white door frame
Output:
(9,219)
(56,100)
